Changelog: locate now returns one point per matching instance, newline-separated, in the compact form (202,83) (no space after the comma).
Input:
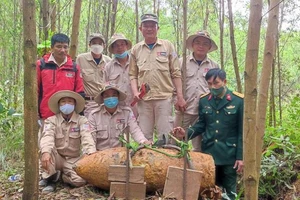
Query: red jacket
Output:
(52,79)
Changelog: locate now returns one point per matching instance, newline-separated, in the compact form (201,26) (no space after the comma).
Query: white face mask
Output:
(96,48)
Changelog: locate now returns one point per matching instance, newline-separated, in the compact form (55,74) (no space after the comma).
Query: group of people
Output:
(85,106)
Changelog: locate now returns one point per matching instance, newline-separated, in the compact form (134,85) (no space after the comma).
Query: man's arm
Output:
(180,103)
(78,87)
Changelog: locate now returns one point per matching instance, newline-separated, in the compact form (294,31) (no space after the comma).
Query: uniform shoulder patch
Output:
(238,94)
(204,95)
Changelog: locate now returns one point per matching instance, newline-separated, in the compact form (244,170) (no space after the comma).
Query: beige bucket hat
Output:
(54,99)
(116,37)
(99,98)
(204,34)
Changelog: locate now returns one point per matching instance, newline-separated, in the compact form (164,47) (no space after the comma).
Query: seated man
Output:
(111,120)
(62,138)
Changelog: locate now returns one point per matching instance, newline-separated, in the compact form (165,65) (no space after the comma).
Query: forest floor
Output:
(13,190)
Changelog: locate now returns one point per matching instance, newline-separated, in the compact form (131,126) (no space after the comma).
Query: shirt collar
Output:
(51,58)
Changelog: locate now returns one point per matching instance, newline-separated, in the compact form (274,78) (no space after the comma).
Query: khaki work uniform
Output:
(117,75)
(92,75)
(107,128)
(63,140)
(196,86)
(156,67)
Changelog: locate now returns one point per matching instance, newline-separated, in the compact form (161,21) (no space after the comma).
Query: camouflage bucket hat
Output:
(149,17)
(191,38)
(96,35)
(116,37)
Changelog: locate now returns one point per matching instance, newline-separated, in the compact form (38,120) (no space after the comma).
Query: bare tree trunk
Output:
(58,11)
(251,180)
(221,25)
(113,16)
(75,29)
(88,28)
(205,21)
(268,65)
(136,21)
(45,12)
(31,190)
(53,17)
(106,35)
(233,48)
(154,6)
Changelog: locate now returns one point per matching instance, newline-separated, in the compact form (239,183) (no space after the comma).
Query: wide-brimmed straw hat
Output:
(191,38)
(99,98)
(54,99)
(116,37)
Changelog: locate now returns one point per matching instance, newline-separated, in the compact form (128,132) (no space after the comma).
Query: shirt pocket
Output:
(162,63)
(87,74)
(74,141)
(101,132)
(59,141)
(114,78)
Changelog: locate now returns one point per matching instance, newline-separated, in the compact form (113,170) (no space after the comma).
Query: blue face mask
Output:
(67,109)
(111,102)
(123,55)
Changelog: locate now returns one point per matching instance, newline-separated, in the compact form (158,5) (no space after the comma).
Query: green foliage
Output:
(281,153)
(277,172)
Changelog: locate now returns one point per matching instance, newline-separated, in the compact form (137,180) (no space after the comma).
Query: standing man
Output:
(56,71)
(116,71)
(197,65)
(155,62)
(221,125)
(92,66)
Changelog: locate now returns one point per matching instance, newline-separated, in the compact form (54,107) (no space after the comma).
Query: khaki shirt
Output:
(118,75)
(196,84)
(92,74)
(107,128)
(67,137)
(157,67)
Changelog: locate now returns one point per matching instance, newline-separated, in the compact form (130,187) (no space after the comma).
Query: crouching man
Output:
(112,120)
(66,137)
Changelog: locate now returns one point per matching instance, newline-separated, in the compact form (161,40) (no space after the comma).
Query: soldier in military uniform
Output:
(221,125)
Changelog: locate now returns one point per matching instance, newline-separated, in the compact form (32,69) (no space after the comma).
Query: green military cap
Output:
(149,17)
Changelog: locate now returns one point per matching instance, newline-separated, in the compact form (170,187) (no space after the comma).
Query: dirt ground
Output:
(13,190)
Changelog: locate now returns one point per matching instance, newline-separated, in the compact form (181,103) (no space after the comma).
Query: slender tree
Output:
(30,102)
(45,15)
(113,16)
(233,48)
(75,29)
(250,130)
(221,26)
(268,65)
(136,21)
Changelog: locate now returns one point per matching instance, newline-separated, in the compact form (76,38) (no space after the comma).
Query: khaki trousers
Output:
(65,165)
(155,113)
(185,121)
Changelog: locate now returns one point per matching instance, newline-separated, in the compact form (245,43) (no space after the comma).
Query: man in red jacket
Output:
(56,71)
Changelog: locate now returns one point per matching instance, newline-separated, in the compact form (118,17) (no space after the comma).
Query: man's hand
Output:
(239,166)
(179,133)
(46,161)
(180,104)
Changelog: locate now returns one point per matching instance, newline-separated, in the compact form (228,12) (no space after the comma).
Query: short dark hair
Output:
(59,38)
(215,73)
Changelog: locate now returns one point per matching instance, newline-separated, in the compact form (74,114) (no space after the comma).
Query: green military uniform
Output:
(221,125)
